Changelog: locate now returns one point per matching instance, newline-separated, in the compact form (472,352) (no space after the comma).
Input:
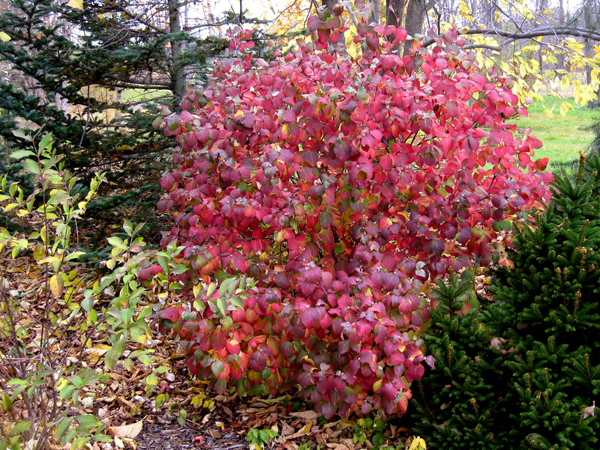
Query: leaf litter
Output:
(179,412)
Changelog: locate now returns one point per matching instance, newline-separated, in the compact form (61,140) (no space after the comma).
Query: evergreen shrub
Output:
(524,372)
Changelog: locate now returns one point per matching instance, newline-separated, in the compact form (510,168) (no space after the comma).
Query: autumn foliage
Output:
(330,188)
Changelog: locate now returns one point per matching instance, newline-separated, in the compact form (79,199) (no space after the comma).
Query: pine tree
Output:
(524,372)
(461,403)
(97,78)
(550,306)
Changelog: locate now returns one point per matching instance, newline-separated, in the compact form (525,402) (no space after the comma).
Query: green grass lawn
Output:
(563,136)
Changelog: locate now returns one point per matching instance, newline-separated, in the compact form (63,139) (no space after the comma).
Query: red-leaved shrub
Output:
(335,187)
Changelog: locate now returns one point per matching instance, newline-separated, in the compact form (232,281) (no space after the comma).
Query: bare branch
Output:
(537,32)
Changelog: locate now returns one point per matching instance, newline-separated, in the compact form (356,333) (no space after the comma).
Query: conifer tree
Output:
(461,403)
(551,315)
(96,78)
(531,358)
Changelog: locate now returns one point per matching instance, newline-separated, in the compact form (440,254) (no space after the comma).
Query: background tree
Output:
(96,78)
(527,42)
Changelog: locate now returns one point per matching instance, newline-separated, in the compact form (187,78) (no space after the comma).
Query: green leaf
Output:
(159,401)
(93,317)
(20,427)
(222,306)
(181,417)
(21,134)
(217,367)
(20,154)
(46,142)
(74,255)
(139,333)
(59,198)
(152,379)
(32,166)
(111,357)
(126,315)
(227,287)
(12,190)
(18,390)
(66,392)
(6,403)
(69,436)
(138,227)
(63,427)
(116,241)
(128,227)
(79,443)
(88,421)
(237,302)
(88,301)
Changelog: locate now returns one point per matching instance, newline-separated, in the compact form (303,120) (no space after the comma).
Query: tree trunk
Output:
(394,12)
(178,70)
(329,4)
(562,21)
(376,15)
(590,19)
(415,16)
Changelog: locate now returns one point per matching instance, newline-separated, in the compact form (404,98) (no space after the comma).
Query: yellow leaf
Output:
(198,400)
(377,385)
(57,285)
(197,290)
(127,431)
(418,444)
(139,335)
(564,109)
(10,206)
(77,4)
(301,432)
(5,37)
(152,380)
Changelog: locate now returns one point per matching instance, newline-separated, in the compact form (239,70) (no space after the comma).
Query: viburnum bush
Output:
(320,191)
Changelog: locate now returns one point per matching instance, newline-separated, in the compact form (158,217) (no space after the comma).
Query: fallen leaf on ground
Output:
(305,415)
(301,432)
(127,431)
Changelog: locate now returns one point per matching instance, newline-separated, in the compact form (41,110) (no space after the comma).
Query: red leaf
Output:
(314,23)
(373,42)
(389,261)
(172,313)
(541,164)
(289,115)
(167,182)
(326,219)
(400,34)
(343,151)
(281,281)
